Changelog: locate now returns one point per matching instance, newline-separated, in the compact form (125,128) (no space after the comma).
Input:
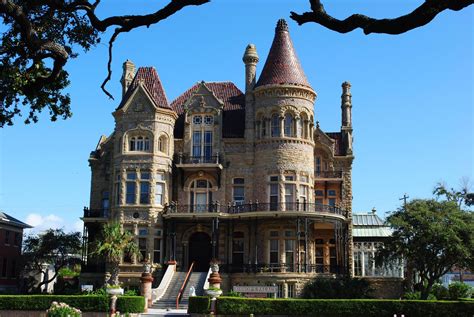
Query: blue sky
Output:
(412,98)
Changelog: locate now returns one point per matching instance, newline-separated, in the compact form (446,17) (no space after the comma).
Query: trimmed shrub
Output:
(440,292)
(130,304)
(417,296)
(459,290)
(199,305)
(84,303)
(342,308)
(337,288)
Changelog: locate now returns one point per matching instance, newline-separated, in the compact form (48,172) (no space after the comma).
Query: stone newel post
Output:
(145,284)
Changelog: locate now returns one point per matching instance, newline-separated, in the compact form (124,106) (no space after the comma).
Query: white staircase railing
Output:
(157,293)
(206,282)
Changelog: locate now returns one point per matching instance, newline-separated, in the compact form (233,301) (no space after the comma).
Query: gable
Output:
(203,100)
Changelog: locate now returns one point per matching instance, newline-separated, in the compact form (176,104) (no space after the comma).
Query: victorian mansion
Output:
(247,178)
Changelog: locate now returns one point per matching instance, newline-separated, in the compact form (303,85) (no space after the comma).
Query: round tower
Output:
(284,147)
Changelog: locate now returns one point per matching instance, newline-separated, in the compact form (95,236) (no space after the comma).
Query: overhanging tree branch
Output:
(38,41)
(422,15)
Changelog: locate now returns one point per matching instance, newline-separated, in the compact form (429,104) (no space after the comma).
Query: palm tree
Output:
(114,244)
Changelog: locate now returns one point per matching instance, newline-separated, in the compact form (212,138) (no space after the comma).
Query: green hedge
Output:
(85,303)
(130,304)
(342,307)
(199,305)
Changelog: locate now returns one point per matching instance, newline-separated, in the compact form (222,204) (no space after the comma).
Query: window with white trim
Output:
(200,195)
(238,191)
(159,188)
(139,144)
(131,188)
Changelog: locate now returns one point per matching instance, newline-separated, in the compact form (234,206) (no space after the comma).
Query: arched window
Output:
(275,125)
(163,144)
(302,128)
(288,125)
(200,196)
(139,143)
(264,127)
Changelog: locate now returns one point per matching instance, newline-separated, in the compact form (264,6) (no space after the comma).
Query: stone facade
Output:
(244,177)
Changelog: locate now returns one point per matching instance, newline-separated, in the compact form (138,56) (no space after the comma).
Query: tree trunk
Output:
(114,273)
(426,290)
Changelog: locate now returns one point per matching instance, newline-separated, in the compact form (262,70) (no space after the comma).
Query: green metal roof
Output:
(369,225)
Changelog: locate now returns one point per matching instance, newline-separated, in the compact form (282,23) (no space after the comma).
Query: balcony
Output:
(198,162)
(252,208)
(96,214)
(282,268)
(331,175)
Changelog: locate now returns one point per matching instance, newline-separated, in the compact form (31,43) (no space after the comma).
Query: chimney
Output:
(127,75)
(250,59)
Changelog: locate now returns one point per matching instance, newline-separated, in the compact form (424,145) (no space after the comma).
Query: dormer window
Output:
(139,143)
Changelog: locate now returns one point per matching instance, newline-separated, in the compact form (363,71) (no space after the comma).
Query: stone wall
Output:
(385,287)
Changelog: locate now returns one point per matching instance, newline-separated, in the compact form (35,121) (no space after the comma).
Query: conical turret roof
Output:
(282,65)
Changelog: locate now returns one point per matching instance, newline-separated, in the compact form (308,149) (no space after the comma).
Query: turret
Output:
(250,59)
(127,75)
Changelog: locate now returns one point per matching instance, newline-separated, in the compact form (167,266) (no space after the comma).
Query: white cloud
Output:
(41,223)
(78,226)
(34,220)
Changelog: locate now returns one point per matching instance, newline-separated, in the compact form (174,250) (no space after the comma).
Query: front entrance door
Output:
(200,251)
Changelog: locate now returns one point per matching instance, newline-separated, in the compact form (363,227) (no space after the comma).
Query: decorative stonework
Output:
(278,91)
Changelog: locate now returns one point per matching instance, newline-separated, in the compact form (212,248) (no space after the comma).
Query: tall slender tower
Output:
(346,113)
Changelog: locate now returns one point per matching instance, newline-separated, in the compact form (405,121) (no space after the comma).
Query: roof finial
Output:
(374,211)
(281,26)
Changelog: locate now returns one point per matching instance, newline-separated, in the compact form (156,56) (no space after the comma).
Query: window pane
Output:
(318,193)
(197,144)
(288,125)
(159,194)
(331,192)
(147,144)
(239,193)
(238,181)
(145,175)
(275,125)
(130,199)
(131,175)
(160,176)
(273,178)
(144,193)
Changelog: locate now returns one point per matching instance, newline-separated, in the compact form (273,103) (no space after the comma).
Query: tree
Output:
(113,244)
(461,196)
(433,237)
(53,247)
(40,36)
(421,16)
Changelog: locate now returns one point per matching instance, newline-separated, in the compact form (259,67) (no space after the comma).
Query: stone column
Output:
(145,284)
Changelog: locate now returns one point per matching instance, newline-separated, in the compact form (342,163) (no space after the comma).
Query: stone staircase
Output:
(168,301)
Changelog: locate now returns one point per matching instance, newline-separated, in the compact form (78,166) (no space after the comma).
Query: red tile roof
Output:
(233,124)
(152,83)
(339,148)
(282,65)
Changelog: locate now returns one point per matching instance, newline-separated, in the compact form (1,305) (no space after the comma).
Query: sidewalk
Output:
(154,312)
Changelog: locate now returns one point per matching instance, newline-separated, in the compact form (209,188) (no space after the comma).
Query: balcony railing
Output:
(95,213)
(185,159)
(255,207)
(328,174)
(282,268)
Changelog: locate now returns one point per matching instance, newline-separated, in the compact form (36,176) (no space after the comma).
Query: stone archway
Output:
(200,251)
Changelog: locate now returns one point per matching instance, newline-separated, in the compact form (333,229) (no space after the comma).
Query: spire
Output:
(282,65)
